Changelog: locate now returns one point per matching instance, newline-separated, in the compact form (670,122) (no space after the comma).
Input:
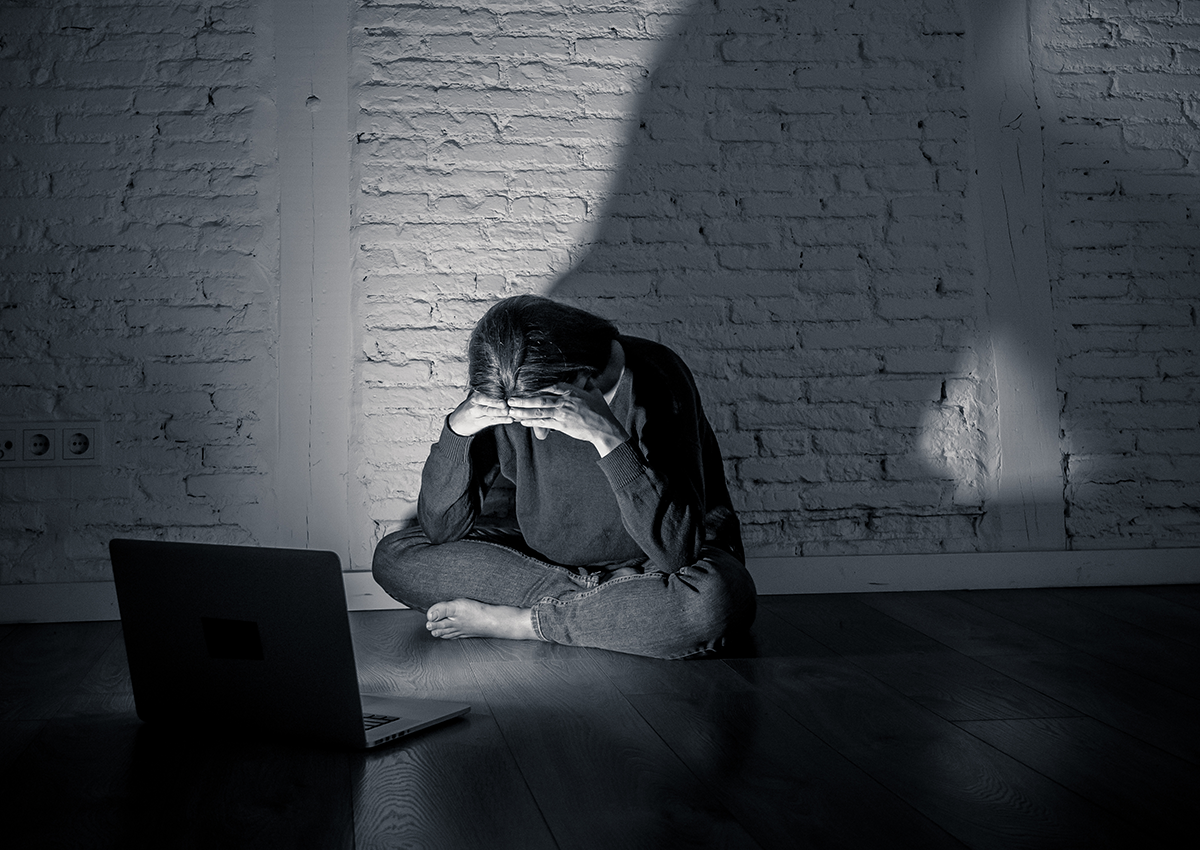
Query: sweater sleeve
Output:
(668,478)
(454,482)
(661,509)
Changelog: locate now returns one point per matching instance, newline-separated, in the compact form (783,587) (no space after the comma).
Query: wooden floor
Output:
(1005,719)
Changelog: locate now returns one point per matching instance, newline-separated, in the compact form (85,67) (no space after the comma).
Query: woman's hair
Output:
(526,344)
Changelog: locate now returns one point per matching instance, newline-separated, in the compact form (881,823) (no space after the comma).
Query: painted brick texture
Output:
(782,192)
(138,275)
(1121,85)
(776,192)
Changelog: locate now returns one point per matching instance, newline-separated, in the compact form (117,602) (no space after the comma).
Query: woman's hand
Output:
(478,412)
(577,410)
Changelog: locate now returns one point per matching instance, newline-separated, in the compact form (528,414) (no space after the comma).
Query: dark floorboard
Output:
(1107,767)
(1159,657)
(997,719)
(1164,618)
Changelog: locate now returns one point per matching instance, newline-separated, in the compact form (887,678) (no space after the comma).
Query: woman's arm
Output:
(662,505)
(669,478)
(657,473)
(458,470)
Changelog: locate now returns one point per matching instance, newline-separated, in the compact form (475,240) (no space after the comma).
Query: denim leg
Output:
(663,615)
(490,565)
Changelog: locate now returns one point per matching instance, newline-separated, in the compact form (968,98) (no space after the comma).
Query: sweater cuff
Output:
(623,465)
(455,446)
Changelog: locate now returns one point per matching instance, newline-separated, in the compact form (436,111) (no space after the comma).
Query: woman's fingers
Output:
(579,412)
(477,412)
(536,401)
(535,408)
(488,403)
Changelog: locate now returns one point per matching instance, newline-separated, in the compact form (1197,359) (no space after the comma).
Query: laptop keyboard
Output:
(370,721)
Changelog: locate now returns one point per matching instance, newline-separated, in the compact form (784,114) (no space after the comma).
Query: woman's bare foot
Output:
(461,618)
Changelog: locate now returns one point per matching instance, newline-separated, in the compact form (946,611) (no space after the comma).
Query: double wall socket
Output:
(51,443)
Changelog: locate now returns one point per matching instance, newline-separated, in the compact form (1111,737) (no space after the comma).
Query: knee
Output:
(723,605)
(387,564)
(393,547)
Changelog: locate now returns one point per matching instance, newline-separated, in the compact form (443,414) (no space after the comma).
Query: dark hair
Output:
(527,343)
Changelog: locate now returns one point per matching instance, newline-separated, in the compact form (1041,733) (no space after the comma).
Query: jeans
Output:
(690,612)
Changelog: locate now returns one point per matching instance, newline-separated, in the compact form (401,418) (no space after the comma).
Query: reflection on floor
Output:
(1016,718)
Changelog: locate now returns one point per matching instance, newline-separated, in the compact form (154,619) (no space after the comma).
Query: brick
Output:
(1089,390)
(1123,210)
(239,488)
(878,389)
(1117,366)
(1084,440)
(220,374)
(1159,417)
(809,469)
(833,496)
(937,308)
(1172,139)
(495,154)
(868,335)
(1172,442)
(928,363)
(1093,234)
(1121,314)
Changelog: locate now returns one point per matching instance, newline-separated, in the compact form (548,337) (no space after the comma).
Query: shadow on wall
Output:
(790,217)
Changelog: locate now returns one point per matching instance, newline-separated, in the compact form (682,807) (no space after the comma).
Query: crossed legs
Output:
(490,584)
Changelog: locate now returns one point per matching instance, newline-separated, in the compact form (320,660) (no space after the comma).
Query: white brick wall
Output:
(780,191)
(1121,86)
(138,275)
(777,193)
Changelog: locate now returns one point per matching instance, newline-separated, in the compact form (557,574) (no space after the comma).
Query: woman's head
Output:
(526,344)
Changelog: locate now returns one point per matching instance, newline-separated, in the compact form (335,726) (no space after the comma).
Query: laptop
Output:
(254,640)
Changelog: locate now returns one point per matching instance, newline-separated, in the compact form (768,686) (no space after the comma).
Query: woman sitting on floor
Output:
(626,540)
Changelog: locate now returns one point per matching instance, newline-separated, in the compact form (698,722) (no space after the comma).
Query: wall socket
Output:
(31,444)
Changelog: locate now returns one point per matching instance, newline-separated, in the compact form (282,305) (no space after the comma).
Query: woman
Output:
(626,540)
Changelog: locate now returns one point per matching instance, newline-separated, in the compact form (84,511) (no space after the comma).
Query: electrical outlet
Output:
(78,443)
(32,444)
(8,446)
(38,445)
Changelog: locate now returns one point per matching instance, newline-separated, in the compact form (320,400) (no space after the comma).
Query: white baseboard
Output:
(74,602)
(58,603)
(975,571)
(363,593)
(97,600)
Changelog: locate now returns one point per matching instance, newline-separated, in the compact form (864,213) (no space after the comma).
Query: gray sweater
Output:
(654,501)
